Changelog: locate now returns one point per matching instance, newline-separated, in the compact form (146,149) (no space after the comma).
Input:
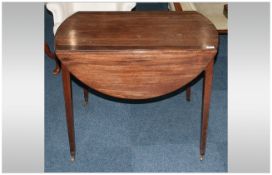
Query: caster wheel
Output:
(72,157)
(201,157)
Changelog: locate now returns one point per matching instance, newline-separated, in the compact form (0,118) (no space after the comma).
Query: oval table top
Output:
(136,55)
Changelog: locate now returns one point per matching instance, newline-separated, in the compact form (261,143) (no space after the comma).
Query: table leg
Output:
(69,109)
(86,96)
(188,93)
(52,55)
(207,89)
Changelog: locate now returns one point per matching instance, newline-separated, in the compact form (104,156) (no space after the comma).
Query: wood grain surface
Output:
(135,30)
(136,55)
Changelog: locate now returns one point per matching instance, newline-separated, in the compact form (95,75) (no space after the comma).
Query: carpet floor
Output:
(113,136)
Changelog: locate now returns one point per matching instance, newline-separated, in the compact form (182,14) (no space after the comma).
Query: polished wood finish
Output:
(112,31)
(178,8)
(107,49)
(66,78)
(136,55)
(140,75)
(52,55)
(207,90)
(56,71)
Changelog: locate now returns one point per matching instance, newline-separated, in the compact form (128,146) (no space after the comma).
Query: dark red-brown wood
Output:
(137,75)
(52,55)
(207,90)
(88,31)
(136,55)
(69,110)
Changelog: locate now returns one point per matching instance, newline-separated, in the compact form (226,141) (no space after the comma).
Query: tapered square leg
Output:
(207,89)
(188,93)
(86,96)
(52,55)
(69,109)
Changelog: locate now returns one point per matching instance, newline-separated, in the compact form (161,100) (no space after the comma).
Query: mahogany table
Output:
(136,55)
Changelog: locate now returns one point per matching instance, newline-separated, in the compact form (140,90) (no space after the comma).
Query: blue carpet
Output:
(111,136)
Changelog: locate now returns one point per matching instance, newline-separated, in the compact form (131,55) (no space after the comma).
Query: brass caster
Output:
(72,157)
(201,157)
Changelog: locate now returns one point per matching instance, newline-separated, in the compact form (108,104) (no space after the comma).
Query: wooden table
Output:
(136,55)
